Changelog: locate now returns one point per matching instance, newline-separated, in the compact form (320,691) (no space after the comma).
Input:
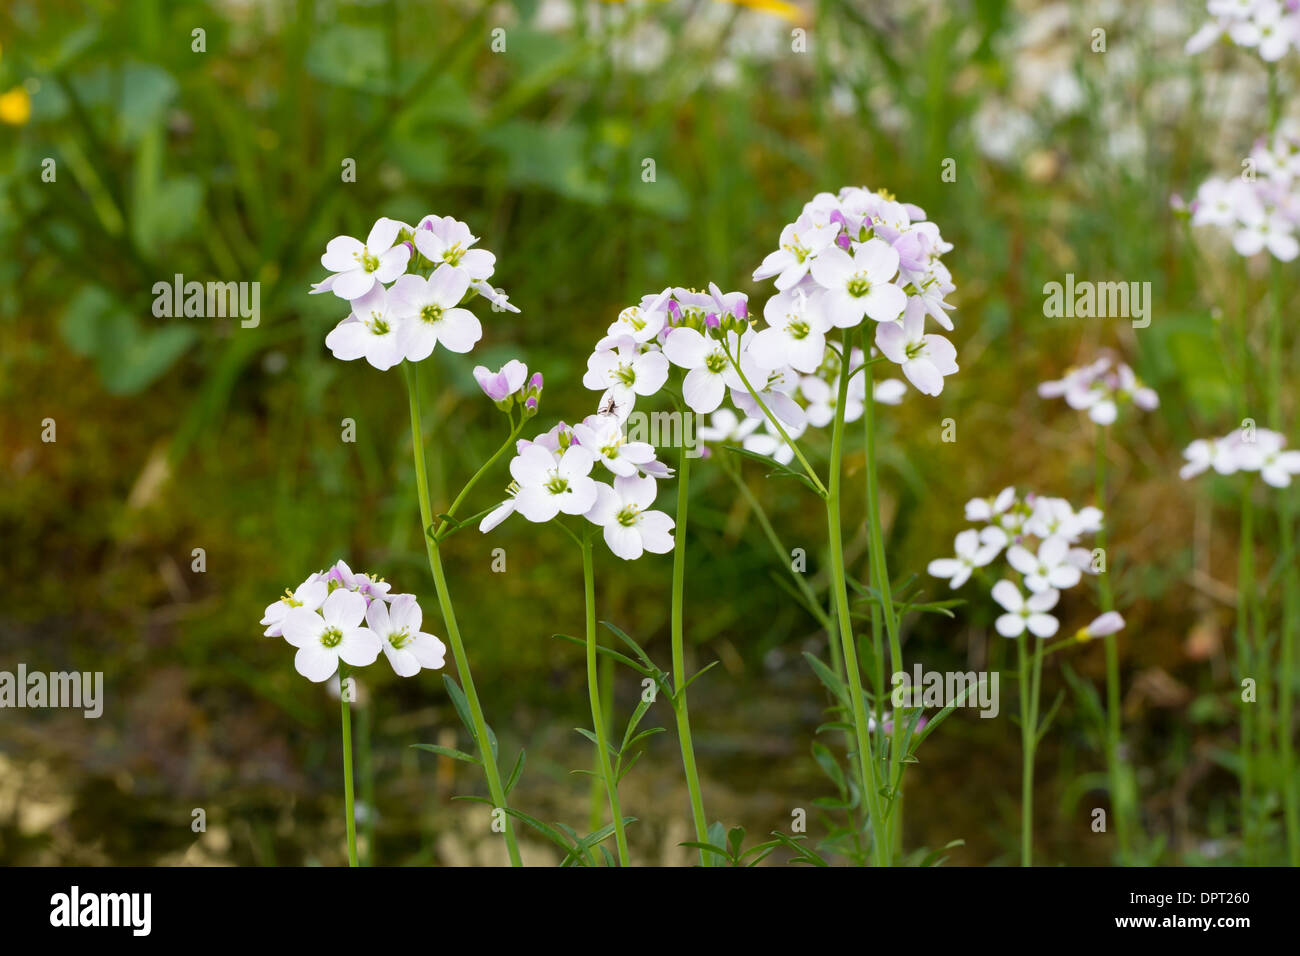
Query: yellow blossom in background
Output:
(779,7)
(15,107)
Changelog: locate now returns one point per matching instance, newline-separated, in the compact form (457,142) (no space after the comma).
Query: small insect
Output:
(608,407)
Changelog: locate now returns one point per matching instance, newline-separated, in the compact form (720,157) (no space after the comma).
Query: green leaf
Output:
(451,752)
(545,829)
(830,766)
(592,737)
(461,704)
(778,470)
(828,677)
(698,674)
(1047,720)
(515,773)
(933,858)
(609,652)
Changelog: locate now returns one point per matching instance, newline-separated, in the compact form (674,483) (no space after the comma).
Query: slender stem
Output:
(880,574)
(776,423)
(1115,771)
(1027,734)
(349,809)
(505,446)
(853,673)
(366,767)
(1245,597)
(482,736)
(680,677)
(597,711)
(783,555)
(1290,587)
(826,620)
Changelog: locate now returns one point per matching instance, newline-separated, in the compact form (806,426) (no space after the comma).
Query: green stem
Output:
(783,555)
(1028,741)
(508,444)
(1290,587)
(776,423)
(366,767)
(853,673)
(1115,770)
(1245,597)
(880,576)
(597,711)
(349,809)
(680,677)
(482,737)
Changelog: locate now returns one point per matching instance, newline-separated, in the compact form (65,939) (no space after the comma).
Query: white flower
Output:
(1056,517)
(725,426)
(551,484)
(340,575)
(310,594)
(1265,453)
(925,358)
(358,266)
(497,297)
(822,397)
(444,240)
(1225,455)
(404,644)
(709,369)
(796,333)
(774,387)
(332,635)
(986,509)
(971,554)
(431,315)
(859,284)
(770,443)
(498,514)
(1109,623)
(1265,229)
(625,371)
(888,391)
(1021,613)
(629,528)
(369,332)
(800,242)
(602,436)
(642,322)
(1049,569)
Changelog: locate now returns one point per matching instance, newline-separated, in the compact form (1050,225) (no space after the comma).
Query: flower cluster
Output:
(552,476)
(344,616)
(398,312)
(1100,387)
(848,257)
(1244,449)
(1260,212)
(1270,26)
(853,256)
(1039,538)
